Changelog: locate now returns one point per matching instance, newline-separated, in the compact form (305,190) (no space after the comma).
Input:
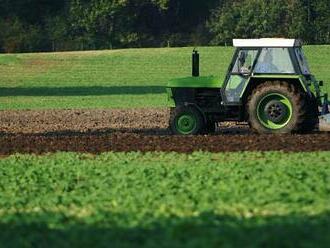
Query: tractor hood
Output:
(196,82)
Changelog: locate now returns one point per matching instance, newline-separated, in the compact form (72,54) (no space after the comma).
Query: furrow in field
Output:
(97,131)
(124,142)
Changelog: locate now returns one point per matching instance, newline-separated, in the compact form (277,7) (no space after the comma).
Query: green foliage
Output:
(172,200)
(17,36)
(320,30)
(307,20)
(249,19)
(112,23)
(114,79)
(97,18)
(57,30)
(101,24)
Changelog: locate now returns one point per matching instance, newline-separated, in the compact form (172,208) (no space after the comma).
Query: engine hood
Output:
(196,82)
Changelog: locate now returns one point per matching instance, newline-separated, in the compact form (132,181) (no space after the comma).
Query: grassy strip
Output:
(166,199)
(113,79)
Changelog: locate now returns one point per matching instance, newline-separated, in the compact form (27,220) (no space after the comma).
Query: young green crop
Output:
(166,200)
(113,79)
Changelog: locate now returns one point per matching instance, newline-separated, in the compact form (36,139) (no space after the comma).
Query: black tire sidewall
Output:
(176,113)
(253,109)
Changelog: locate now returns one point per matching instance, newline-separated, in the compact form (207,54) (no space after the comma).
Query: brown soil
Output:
(132,120)
(96,131)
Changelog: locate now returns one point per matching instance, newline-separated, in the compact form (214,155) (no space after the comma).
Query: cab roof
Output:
(267,42)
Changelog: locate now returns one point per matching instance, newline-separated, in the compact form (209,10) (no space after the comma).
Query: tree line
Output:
(48,25)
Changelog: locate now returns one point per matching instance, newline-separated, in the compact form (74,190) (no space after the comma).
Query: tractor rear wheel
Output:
(186,121)
(276,107)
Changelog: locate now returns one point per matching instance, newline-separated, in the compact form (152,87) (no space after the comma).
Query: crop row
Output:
(165,199)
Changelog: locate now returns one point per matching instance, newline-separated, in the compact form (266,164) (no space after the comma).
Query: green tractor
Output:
(268,85)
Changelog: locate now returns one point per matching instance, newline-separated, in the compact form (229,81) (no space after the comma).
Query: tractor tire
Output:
(186,121)
(277,107)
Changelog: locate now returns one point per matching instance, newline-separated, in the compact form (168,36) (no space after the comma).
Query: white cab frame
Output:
(267,42)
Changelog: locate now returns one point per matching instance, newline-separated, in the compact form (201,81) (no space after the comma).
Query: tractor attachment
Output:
(324,124)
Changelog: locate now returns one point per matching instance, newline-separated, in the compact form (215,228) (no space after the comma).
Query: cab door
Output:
(239,75)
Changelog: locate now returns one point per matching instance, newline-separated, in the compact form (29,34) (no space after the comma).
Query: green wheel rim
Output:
(186,124)
(263,111)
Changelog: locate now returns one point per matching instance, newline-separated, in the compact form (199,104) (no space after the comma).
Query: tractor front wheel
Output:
(186,121)
(276,107)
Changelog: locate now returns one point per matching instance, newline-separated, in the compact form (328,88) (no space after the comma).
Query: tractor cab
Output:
(255,58)
(268,84)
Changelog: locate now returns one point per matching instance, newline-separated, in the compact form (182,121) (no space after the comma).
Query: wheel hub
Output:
(186,123)
(276,111)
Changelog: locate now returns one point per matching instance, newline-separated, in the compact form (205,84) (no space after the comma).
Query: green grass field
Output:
(166,200)
(113,79)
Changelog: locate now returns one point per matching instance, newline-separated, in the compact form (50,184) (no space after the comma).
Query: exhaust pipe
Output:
(195,63)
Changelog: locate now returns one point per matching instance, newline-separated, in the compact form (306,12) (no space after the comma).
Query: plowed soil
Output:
(96,131)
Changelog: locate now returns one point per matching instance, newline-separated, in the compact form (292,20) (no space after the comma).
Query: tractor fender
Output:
(255,81)
(189,104)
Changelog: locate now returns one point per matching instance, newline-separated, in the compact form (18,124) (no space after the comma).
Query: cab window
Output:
(274,60)
(304,67)
(239,76)
(245,61)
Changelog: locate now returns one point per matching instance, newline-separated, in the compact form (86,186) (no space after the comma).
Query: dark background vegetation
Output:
(48,25)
